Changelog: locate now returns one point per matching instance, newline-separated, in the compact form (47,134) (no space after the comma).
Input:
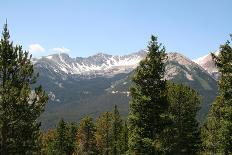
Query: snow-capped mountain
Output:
(208,64)
(92,85)
(108,65)
(99,64)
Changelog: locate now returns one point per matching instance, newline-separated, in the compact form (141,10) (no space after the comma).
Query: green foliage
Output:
(108,136)
(182,134)
(61,138)
(61,141)
(48,142)
(103,135)
(111,138)
(210,132)
(124,138)
(224,64)
(116,133)
(71,139)
(86,137)
(148,103)
(20,105)
(162,117)
(199,84)
(221,112)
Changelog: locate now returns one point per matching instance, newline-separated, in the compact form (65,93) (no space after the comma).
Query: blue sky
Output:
(85,27)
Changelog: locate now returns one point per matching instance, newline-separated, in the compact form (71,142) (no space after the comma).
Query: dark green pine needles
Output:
(217,131)
(148,104)
(20,105)
(162,118)
(182,135)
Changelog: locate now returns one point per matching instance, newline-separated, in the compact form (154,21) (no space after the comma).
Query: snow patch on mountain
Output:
(108,65)
(97,64)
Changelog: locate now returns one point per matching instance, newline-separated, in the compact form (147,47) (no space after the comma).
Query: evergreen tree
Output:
(20,105)
(61,138)
(103,135)
(116,132)
(61,141)
(124,139)
(210,132)
(183,107)
(224,64)
(148,105)
(86,138)
(48,141)
(71,138)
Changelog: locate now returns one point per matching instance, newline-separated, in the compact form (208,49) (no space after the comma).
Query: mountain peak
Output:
(100,63)
(208,64)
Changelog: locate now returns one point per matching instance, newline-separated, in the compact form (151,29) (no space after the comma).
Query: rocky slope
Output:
(89,86)
(208,64)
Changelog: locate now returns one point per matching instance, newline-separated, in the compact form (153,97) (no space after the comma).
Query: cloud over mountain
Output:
(34,48)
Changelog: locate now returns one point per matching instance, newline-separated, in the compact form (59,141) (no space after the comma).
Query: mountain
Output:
(92,85)
(180,69)
(208,64)
(97,65)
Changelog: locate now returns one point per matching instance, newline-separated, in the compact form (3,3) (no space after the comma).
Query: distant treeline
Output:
(161,121)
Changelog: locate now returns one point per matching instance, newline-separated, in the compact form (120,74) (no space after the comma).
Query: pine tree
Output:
(124,139)
(183,107)
(71,139)
(103,135)
(61,138)
(148,105)
(116,132)
(210,132)
(86,137)
(224,64)
(60,141)
(20,105)
(48,142)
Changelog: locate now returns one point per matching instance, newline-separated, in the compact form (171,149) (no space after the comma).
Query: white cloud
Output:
(34,48)
(61,50)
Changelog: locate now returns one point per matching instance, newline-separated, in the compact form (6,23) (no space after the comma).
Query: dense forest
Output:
(161,121)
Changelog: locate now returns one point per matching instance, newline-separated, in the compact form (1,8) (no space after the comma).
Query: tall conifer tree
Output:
(223,114)
(86,137)
(210,132)
(71,138)
(61,138)
(103,134)
(124,138)
(20,105)
(184,104)
(116,132)
(148,104)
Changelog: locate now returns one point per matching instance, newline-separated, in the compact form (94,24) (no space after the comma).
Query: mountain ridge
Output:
(98,64)
(74,94)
